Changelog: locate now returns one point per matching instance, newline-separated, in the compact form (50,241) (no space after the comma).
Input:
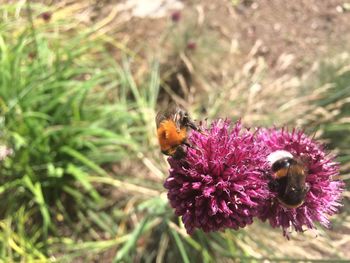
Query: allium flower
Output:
(191,45)
(218,184)
(46,16)
(176,16)
(324,194)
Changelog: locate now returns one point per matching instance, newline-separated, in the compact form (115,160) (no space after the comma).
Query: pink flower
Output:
(219,184)
(175,16)
(191,45)
(324,191)
(46,16)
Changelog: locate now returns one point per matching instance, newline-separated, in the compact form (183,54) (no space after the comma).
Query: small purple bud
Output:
(191,45)
(175,16)
(46,16)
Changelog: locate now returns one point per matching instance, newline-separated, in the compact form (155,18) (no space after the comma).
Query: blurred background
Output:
(81,174)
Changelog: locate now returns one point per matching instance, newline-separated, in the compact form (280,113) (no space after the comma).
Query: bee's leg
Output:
(187,144)
(168,152)
(190,145)
(191,124)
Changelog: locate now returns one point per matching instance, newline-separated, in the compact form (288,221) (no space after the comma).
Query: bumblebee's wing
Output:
(160,117)
(296,175)
(166,114)
(172,110)
(304,161)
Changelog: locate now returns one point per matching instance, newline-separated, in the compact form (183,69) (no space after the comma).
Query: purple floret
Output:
(220,183)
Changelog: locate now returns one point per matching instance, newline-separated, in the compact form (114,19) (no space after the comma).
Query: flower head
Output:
(191,45)
(218,184)
(46,16)
(175,16)
(324,192)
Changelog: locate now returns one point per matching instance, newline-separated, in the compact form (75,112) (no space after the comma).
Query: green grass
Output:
(85,180)
(336,102)
(65,113)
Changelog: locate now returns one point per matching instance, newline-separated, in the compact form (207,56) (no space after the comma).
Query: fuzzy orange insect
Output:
(172,131)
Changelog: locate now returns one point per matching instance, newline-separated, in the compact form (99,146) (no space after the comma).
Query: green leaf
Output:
(81,177)
(180,246)
(82,159)
(36,190)
(131,243)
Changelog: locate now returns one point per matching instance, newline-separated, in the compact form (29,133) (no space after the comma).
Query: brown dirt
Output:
(305,29)
(288,35)
(302,30)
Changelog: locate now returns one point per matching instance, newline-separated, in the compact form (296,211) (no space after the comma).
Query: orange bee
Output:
(172,131)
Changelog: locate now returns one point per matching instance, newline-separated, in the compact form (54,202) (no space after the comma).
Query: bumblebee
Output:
(172,130)
(289,179)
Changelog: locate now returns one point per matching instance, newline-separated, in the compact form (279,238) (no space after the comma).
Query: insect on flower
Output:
(218,184)
(289,178)
(172,130)
(311,190)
